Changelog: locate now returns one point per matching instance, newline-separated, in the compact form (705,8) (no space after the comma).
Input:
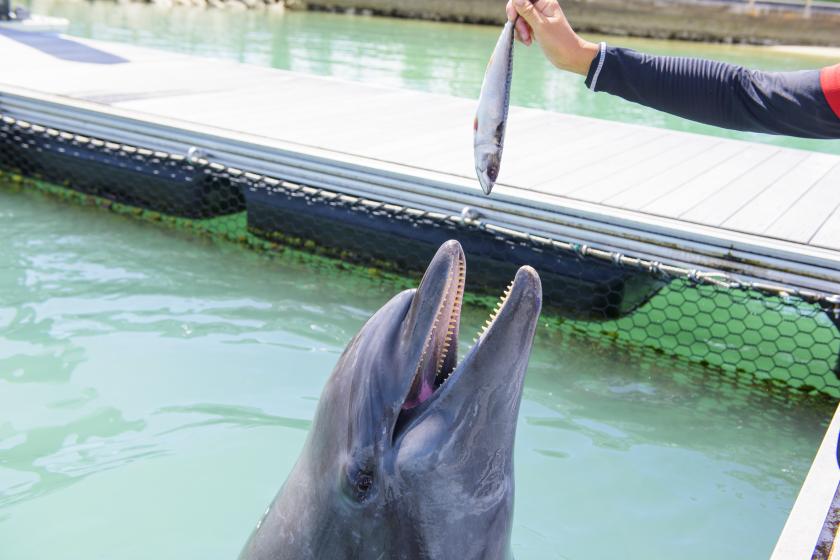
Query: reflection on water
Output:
(631,446)
(439,57)
(49,457)
(238,416)
(620,401)
(159,386)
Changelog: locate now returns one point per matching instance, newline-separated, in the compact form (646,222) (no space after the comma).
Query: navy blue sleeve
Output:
(716,93)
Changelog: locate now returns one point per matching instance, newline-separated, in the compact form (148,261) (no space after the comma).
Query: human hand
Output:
(544,21)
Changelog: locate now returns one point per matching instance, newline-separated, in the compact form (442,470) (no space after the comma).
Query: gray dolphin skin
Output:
(491,115)
(410,456)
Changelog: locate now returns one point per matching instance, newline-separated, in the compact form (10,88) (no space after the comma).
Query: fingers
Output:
(523,31)
(519,38)
(547,7)
(531,11)
(510,11)
(528,12)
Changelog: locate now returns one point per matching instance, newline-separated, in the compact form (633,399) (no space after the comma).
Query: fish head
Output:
(411,454)
(488,159)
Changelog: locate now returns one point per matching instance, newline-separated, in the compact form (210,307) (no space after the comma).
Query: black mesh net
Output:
(771,335)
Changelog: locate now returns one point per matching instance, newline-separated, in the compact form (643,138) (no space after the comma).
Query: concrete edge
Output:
(808,532)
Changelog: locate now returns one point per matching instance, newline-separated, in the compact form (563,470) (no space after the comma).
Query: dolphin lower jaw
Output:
(526,280)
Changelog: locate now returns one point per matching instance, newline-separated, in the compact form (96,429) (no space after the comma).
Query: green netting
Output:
(784,339)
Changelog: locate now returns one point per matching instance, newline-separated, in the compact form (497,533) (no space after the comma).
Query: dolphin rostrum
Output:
(410,456)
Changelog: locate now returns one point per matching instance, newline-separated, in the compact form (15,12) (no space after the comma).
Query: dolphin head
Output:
(410,455)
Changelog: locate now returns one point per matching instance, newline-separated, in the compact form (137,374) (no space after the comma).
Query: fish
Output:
(491,115)
(410,453)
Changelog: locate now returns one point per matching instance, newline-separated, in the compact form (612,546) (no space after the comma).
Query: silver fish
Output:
(491,116)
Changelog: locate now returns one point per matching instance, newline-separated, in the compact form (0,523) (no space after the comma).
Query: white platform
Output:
(760,211)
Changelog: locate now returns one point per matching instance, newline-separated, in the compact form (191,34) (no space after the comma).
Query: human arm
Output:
(803,103)
(725,95)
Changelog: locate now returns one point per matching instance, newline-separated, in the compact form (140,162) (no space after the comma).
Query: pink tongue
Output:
(418,397)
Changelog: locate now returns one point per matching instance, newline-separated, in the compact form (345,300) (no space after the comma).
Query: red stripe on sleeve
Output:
(830,83)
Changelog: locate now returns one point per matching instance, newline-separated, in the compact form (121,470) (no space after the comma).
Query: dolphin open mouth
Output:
(438,366)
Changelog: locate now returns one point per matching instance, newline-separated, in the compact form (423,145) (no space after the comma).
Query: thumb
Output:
(528,12)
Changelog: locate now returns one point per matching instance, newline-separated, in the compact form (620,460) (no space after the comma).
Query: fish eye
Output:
(492,171)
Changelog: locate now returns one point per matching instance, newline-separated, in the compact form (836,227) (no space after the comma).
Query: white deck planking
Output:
(775,202)
(729,200)
(624,178)
(684,185)
(677,201)
(802,220)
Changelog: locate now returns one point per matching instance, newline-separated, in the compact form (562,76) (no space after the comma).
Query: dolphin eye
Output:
(364,483)
(361,484)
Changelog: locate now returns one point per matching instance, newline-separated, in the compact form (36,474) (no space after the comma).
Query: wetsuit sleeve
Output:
(802,103)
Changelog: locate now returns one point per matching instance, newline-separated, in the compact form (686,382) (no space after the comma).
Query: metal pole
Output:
(807,13)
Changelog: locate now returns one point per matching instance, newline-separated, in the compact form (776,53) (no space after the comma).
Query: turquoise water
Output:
(157,388)
(439,57)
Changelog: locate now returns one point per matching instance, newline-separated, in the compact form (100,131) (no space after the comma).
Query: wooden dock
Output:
(759,211)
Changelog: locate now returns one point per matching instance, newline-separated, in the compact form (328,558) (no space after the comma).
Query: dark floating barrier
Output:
(369,231)
(780,335)
(147,179)
(363,231)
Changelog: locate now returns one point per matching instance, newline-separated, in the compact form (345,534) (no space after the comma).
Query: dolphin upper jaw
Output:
(437,306)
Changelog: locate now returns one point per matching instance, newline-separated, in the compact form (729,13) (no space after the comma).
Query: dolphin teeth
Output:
(496,310)
(452,325)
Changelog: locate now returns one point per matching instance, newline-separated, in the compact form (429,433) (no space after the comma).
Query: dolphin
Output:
(410,456)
